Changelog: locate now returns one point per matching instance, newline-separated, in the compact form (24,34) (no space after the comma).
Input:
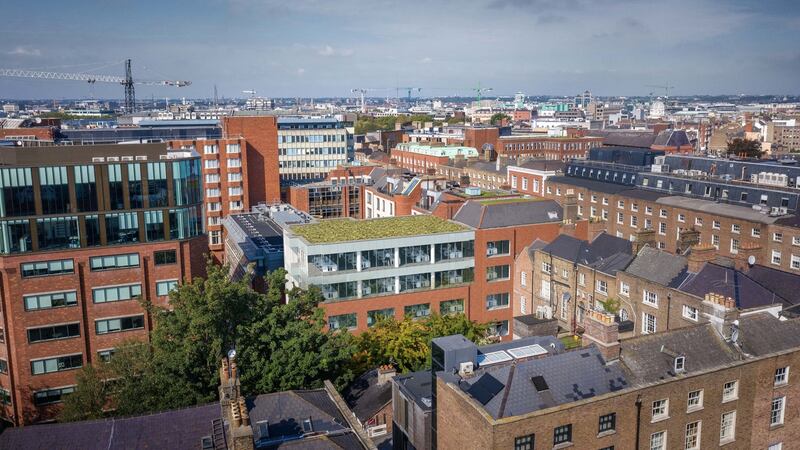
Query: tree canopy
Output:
(499,117)
(744,147)
(366,124)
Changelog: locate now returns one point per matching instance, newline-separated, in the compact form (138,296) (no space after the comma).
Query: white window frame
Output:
(646,298)
(645,328)
(730,391)
(781,376)
(691,313)
(658,440)
(624,289)
(692,441)
(699,401)
(727,434)
(776,416)
(659,410)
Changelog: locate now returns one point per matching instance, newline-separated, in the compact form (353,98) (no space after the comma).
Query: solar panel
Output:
(540,383)
(527,351)
(485,388)
(486,359)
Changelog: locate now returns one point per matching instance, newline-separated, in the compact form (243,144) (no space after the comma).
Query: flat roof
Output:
(721,209)
(449,151)
(345,230)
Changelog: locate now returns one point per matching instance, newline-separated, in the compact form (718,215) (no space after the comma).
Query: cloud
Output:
(24,51)
(301,71)
(425,60)
(330,51)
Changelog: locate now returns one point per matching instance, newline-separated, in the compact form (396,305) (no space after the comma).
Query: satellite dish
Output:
(751,260)
(232,353)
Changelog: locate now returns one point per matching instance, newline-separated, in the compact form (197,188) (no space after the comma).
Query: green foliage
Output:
(454,120)
(407,343)
(611,305)
(340,230)
(499,117)
(745,148)
(365,124)
(280,346)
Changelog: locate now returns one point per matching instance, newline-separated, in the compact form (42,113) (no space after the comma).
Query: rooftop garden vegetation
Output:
(344,230)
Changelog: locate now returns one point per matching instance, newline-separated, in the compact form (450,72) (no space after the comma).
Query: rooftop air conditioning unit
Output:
(112,158)
(465,368)
(127,158)
(144,158)
(783,210)
(98,159)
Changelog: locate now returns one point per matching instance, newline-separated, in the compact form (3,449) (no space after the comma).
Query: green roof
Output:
(344,230)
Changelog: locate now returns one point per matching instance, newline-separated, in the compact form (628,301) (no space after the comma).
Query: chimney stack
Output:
(700,255)
(385,373)
(746,250)
(596,226)
(644,237)
(603,331)
(234,407)
(570,207)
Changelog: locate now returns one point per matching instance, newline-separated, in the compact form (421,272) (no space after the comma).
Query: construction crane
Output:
(126,81)
(480,91)
(408,90)
(665,87)
(362,92)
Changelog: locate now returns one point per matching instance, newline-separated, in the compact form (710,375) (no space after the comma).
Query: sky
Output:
(316,48)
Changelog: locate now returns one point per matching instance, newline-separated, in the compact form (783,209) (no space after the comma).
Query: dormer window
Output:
(680,364)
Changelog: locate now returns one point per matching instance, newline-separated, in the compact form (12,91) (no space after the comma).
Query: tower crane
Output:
(408,90)
(480,91)
(362,92)
(126,81)
(666,87)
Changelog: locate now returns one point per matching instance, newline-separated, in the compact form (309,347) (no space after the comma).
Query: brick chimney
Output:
(385,373)
(595,227)
(721,312)
(644,237)
(234,407)
(687,238)
(746,250)
(700,255)
(240,433)
(603,331)
(570,207)
(229,386)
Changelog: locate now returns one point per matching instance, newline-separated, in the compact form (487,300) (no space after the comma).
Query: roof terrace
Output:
(344,230)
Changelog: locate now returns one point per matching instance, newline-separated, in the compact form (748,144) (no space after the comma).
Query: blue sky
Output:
(327,47)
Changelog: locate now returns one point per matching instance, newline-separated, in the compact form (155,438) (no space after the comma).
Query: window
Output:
(776,411)
(648,210)
(795,240)
(497,272)
(679,364)
(716,225)
(777,237)
(497,248)
(212,178)
(545,291)
(605,201)
(715,241)
(50,300)
(50,396)
(776,258)
(562,434)
(755,232)
(602,287)
(634,221)
(525,442)
(525,184)
(449,307)
(212,192)
(114,261)
(795,262)
(660,410)
(735,228)
(211,164)
(215,237)
(620,218)
(730,391)
(164,287)
(547,267)
(234,162)
(658,441)
(624,289)
(734,246)
(122,228)
(662,228)
(116,293)
(698,221)
(523,278)
(608,422)
(58,232)
(582,279)
(497,301)
(420,310)
(165,257)
(513,181)
(343,321)
(662,213)
(5,396)
(681,217)
(690,312)
(210,149)
(53,332)
(650,298)
(57,364)
(47,268)
(781,376)
(727,428)
(105,326)
(648,323)
(634,207)
(3,366)
(692,441)
(695,400)
(105,355)
(778,446)
(233,148)
(233,177)
(621,204)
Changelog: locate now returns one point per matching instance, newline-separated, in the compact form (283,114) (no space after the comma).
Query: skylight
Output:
(527,351)
(487,359)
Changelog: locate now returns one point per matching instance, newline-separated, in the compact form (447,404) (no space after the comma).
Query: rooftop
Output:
(478,214)
(659,267)
(450,151)
(345,230)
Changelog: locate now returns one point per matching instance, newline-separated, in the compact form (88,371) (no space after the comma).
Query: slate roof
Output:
(714,208)
(672,138)
(604,251)
(365,397)
(701,345)
(544,165)
(762,334)
(589,376)
(658,267)
(418,387)
(592,185)
(748,291)
(180,428)
(497,215)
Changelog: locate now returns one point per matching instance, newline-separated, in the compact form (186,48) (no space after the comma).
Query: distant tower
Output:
(519,100)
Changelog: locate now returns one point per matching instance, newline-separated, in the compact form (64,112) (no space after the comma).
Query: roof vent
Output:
(539,383)
(308,426)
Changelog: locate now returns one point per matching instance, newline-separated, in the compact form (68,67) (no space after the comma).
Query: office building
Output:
(86,232)
(309,148)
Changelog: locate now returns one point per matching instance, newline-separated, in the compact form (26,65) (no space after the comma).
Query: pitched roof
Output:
(625,138)
(544,165)
(365,397)
(592,185)
(649,358)
(762,334)
(747,291)
(497,215)
(672,138)
(605,252)
(658,267)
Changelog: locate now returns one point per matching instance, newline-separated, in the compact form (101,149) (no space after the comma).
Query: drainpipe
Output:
(669,307)
(638,418)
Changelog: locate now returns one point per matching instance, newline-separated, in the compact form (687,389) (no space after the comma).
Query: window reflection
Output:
(58,232)
(17,193)
(85,188)
(122,228)
(15,236)
(54,190)
(135,193)
(157,184)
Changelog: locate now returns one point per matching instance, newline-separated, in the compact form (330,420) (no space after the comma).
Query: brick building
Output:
(530,177)
(546,147)
(86,231)
(698,387)
(424,159)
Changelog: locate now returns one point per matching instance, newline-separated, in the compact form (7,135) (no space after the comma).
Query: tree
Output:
(407,343)
(744,147)
(288,347)
(89,400)
(499,117)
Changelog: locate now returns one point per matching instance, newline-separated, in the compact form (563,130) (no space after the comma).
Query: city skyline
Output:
(316,49)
